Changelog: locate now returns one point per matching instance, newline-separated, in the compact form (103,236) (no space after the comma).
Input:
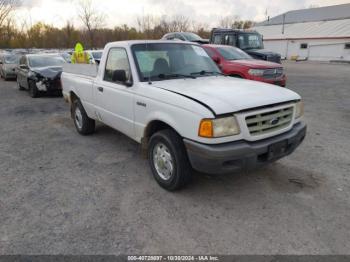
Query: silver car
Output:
(8,65)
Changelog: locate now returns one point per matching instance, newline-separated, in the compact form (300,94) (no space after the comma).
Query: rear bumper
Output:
(238,155)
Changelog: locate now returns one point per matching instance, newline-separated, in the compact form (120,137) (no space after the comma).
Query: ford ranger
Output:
(172,99)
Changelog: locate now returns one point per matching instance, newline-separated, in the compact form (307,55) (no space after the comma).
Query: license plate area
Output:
(277,150)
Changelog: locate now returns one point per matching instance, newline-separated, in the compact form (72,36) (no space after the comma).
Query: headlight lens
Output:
(226,126)
(256,72)
(299,109)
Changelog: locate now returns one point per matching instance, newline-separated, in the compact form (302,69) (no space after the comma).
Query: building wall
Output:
(317,49)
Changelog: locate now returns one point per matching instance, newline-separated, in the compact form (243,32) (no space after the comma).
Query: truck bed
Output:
(89,70)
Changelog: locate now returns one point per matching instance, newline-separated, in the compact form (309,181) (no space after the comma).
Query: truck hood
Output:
(228,95)
(254,63)
(260,52)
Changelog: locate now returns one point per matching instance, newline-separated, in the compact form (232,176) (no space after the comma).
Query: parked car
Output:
(185,36)
(172,99)
(234,62)
(249,41)
(67,57)
(95,56)
(40,73)
(8,65)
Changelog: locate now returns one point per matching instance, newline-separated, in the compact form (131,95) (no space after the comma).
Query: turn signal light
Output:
(206,128)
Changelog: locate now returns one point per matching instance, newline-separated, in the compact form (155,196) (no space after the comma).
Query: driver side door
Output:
(115,100)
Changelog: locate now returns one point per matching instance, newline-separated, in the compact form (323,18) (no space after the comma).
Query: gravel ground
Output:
(61,193)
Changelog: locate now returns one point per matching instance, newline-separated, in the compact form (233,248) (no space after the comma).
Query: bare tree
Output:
(179,23)
(6,7)
(228,21)
(91,18)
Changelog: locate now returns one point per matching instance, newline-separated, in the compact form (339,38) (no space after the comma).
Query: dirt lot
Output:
(61,193)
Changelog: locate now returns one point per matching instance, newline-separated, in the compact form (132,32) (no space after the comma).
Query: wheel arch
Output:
(151,128)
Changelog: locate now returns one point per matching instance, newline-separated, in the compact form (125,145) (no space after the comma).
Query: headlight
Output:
(256,72)
(226,126)
(299,109)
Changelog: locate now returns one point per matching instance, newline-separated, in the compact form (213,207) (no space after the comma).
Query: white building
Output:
(321,34)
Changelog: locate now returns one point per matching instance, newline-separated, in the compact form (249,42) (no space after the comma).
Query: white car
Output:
(171,98)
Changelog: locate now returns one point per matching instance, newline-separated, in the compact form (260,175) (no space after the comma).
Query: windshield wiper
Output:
(166,76)
(203,72)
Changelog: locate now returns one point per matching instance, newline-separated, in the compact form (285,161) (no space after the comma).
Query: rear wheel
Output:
(33,90)
(84,124)
(168,160)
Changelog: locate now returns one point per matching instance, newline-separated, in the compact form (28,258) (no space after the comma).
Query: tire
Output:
(168,160)
(84,124)
(19,86)
(33,90)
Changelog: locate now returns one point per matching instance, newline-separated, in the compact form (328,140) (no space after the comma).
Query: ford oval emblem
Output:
(274,121)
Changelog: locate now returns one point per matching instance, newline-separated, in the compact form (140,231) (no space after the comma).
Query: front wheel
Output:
(168,160)
(33,90)
(84,124)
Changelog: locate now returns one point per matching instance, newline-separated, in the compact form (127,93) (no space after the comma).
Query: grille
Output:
(268,122)
(273,73)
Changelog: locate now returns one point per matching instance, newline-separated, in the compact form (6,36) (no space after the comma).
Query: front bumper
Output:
(281,81)
(238,155)
(50,85)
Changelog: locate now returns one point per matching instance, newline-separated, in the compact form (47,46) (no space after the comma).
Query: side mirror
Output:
(217,59)
(120,76)
(1,63)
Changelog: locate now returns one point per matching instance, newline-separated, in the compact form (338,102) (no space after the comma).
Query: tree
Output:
(91,18)
(6,7)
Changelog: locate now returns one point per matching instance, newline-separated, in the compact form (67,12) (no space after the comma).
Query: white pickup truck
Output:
(172,99)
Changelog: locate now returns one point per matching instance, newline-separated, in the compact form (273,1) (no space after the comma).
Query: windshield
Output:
(97,55)
(11,59)
(192,37)
(250,41)
(232,53)
(44,61)
(161,61)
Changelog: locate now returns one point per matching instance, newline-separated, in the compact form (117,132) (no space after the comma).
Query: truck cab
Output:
(249,41)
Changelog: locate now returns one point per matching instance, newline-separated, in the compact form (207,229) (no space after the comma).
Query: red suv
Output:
(235,62)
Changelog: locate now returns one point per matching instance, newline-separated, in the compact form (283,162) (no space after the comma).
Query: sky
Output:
(118,12)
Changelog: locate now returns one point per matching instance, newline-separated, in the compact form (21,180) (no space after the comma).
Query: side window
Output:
(178,36)
(217,39)
(230,40)
(241,41)
(170,37)
(117,60)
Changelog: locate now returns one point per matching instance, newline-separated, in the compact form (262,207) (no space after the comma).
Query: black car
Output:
(40,73)
(185,36)
(249,41)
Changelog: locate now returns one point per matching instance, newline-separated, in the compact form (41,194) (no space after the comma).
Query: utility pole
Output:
(284,20)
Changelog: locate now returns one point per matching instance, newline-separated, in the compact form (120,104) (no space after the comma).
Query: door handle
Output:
(100,89)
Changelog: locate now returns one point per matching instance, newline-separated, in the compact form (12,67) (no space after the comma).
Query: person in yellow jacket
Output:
(79,56)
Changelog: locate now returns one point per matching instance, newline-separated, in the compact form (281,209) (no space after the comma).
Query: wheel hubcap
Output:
(78,118)
(163,161)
